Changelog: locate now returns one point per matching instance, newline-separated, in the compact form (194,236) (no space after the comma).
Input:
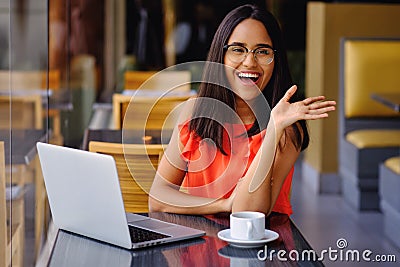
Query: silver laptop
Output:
(85,198)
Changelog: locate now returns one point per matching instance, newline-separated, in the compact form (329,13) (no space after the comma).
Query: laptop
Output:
(85,198)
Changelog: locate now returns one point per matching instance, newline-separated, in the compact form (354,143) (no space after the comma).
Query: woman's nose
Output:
(249,60)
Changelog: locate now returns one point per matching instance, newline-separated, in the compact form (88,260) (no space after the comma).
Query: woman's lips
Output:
(249,78)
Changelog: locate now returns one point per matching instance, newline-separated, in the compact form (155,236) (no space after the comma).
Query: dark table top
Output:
(391,100)
(23,144)
(74,250)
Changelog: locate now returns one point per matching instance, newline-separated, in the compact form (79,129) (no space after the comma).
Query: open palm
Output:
(311,108)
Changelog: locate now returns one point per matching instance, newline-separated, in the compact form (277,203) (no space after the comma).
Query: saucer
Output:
(269,236)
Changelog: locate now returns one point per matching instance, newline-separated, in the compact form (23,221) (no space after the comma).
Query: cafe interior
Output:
(69,70)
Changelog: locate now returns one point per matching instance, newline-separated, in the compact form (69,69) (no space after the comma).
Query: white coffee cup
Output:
(247,225)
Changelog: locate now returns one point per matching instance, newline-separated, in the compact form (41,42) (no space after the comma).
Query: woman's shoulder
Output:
(186,110)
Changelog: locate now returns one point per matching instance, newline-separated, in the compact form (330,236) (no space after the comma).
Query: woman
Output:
(218,160)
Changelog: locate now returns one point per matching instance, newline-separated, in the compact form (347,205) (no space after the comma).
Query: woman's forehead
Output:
(250,32)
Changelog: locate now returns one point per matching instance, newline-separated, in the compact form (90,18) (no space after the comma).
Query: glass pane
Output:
(27,81)
(5,133)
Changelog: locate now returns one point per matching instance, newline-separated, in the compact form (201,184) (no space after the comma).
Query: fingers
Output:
(289,93)
(319,110)
(311,108)
(313,99)
(314,108)
(315,117)
(322,104)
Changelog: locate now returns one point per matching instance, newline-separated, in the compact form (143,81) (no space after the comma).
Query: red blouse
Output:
(212,174)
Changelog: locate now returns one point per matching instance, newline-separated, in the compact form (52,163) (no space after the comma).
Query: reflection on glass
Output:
(241,257)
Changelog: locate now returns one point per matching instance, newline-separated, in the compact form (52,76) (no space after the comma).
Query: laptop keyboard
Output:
(141,235)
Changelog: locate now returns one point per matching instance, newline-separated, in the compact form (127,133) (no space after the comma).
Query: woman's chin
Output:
(248,95)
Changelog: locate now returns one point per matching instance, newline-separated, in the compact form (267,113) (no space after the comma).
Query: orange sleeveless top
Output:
(212,174)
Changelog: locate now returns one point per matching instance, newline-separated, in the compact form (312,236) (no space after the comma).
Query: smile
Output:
(249,76)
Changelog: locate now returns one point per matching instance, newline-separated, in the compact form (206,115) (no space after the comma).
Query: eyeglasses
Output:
(238,53)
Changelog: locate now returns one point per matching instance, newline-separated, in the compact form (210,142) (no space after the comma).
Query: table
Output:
(391,100)
(23,144)
(69,249)
(52,99)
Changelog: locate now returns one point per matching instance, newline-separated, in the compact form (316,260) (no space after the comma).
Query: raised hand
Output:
(311,108)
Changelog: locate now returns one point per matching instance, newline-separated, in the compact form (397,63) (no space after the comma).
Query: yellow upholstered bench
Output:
(393,164)
(374,138)
(369,131)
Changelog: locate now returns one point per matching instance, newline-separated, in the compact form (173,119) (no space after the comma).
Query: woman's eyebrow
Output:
(238,43)
(264,45)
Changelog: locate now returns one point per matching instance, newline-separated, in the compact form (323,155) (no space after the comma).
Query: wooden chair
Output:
(21,112)
(25,81)
(30,80)
(103,135)
(27,112)
(146,112)
(134,79)
(12,226)
(153,80)
(136,166)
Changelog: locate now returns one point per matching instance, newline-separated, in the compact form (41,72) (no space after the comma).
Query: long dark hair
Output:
(280,81)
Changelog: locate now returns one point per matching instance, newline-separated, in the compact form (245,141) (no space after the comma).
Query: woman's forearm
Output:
(166,199)
(254,191)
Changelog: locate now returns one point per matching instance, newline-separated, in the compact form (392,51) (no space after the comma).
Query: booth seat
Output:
(389,187)
(374,138)
(369,131)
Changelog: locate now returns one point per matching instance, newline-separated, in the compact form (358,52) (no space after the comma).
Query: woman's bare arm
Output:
(165,194)
(261,185)
(260,194)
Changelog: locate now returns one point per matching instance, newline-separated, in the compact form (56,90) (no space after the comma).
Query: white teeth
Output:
(248,75)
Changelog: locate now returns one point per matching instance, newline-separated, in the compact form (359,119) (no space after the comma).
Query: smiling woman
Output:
(252,72)
(237,147)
